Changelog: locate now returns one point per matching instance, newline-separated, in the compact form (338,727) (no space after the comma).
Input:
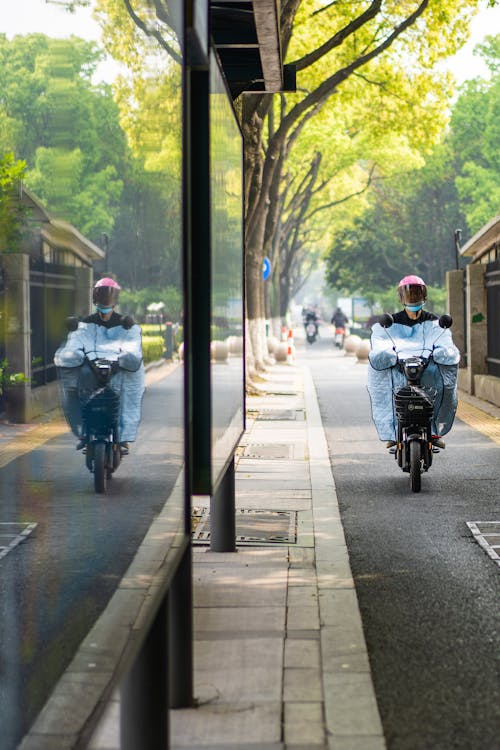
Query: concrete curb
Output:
(351,712)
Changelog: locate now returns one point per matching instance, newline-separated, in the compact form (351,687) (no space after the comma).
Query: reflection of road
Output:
(53,586)
(227,409)
(428,595)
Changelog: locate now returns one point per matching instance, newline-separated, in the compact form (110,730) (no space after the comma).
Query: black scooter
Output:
(311,329)
(414,407)
(100,406)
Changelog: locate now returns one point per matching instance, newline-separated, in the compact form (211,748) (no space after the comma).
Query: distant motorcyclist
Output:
(107,334)
(339,318)
(339,321)
(414,330)
(310,315)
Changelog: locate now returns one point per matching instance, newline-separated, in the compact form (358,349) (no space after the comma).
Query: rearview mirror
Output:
(72,323)
(386,320)
(127,322)
(446,321)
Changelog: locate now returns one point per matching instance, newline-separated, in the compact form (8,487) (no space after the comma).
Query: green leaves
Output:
(11,214)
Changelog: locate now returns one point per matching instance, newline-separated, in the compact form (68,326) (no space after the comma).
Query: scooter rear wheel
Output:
(415,465)
(100,473)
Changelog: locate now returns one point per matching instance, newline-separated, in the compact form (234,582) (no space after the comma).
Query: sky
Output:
(464,64)
(51,19)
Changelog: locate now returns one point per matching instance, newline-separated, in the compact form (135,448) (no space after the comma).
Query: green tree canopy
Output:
(64,127)
(475,139)
(11,217)
(410,221)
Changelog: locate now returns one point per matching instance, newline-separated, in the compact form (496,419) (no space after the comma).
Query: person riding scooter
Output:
(339,321)
(107,334)
(414,331)
(310,315)
(339,318)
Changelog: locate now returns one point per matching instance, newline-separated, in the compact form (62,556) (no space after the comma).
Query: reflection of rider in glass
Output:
(107,334)
(105,296)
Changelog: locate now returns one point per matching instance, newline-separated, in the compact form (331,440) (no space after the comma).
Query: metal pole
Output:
(144,692)
(223,514)
(458,237)
(169,341)
(180,659)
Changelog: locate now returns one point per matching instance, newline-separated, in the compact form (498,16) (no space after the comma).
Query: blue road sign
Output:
(266,268)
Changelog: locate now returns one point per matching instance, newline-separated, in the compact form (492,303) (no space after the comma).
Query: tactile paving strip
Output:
(31,440)
(479,420)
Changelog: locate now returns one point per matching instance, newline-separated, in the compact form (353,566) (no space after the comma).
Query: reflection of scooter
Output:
(339,337)
(100,406)
(414,407)
(92,391)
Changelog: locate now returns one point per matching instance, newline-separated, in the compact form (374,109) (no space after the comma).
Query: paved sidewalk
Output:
(280,657)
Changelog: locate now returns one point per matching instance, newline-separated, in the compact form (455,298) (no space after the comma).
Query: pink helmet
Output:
(411,281)
(106,292)
(412,287)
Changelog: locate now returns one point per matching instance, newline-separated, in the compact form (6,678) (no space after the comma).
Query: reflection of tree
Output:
(226,214)
(11,212)
(158,11)
(143,37)
(65,128)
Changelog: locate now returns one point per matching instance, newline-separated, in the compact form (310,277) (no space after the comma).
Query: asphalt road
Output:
(428,593)
(54,585)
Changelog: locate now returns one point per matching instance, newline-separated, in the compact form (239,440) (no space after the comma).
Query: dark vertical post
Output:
(180,654)
(144,692)
(223,514)
(457,238)
(200,280)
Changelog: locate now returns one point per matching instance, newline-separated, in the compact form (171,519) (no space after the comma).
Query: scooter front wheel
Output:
(100,473)
(415,465)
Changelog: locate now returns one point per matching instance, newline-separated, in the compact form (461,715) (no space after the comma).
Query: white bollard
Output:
(351,344)
(363,350)
(280,353)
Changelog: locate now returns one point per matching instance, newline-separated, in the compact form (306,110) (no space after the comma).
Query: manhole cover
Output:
(252,526)
(12,534)
(268,450)
(487,534)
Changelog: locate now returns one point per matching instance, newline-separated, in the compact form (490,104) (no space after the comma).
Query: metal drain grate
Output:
(282,415)
(268,450)
(487,534)
(12,534)
(252,526)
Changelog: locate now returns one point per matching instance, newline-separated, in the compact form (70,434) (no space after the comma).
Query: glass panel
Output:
(91,120)
(227,276)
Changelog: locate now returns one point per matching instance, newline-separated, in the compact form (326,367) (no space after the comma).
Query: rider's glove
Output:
(382,359)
